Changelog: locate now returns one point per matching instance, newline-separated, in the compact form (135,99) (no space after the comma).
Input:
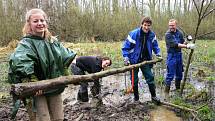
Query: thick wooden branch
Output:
(22,90)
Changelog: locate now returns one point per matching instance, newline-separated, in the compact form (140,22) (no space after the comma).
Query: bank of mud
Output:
(117,105)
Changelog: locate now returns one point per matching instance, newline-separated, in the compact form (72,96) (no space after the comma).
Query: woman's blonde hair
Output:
(27,30)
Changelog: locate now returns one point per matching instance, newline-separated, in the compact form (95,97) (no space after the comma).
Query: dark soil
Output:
(116,105)
(125,111)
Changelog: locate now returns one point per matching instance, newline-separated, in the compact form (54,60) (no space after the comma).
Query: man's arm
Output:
(156,48)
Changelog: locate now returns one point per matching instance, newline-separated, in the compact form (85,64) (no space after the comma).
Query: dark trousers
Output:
(149,77)
(83,90)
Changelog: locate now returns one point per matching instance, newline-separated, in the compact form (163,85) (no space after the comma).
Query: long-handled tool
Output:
(132,81)
(130,89)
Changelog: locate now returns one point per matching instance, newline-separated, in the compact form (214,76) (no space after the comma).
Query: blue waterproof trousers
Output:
(174,64)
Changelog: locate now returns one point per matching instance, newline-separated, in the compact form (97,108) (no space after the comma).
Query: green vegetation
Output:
(103,20)
(206,114)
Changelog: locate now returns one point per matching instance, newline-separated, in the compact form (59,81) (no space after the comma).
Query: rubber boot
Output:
(83,97)
(154,99)
(177,84)
(166,93)
(177,87)
(136,93)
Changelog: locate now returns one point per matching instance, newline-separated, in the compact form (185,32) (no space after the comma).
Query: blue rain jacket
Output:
(132,45)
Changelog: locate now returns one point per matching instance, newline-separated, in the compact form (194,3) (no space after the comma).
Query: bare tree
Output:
(152,5)
(203,12)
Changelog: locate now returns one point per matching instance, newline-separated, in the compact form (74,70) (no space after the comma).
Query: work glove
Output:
(126,61)
(191,46)
(189,37)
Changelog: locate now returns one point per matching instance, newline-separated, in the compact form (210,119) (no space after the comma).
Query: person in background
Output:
(90,64)
(137,48)
(174,43)
(40,56)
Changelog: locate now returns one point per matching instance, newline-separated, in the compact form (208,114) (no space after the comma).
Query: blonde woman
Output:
(39,56)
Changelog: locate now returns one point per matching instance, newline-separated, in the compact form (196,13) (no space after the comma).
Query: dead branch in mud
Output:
(22,90)
(191,111)
(179,107)
(195,117)
(79,117)
(202,13)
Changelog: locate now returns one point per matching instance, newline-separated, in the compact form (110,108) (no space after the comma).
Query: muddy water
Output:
(113,88)
(163,114)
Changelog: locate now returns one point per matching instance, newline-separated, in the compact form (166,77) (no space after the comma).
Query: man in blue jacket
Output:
(137,48)
(174,42)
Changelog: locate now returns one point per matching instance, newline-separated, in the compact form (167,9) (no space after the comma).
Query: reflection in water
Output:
(163,114)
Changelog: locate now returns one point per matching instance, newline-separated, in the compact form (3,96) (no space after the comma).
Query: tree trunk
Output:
(28,89)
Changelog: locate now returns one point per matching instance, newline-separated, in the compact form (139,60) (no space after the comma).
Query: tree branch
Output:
(201,8)
(178,106)
(196,7)
(207,8)
(206,14)
(205,34)
(22,90)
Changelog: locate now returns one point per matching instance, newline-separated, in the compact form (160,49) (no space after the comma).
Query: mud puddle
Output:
(163,114)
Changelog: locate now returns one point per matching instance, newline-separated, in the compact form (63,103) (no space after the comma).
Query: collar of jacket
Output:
(33,37)
(142,33)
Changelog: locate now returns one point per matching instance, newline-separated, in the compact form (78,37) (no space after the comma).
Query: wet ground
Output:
(117,105)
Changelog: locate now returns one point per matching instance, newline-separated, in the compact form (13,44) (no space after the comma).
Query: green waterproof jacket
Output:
(45,59)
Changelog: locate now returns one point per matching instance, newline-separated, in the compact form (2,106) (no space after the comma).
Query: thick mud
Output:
(117,105)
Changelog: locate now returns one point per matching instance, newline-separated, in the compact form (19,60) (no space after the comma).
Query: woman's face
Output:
(38,24)
(105,63)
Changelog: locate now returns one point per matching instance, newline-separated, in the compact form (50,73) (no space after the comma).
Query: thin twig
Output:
(205,34)
(196,7)
(201,8)
(79,117)
(207,8)
(208,13)
(195,117)
(178,106)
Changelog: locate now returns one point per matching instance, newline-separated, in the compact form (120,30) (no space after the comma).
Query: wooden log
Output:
(22,90)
